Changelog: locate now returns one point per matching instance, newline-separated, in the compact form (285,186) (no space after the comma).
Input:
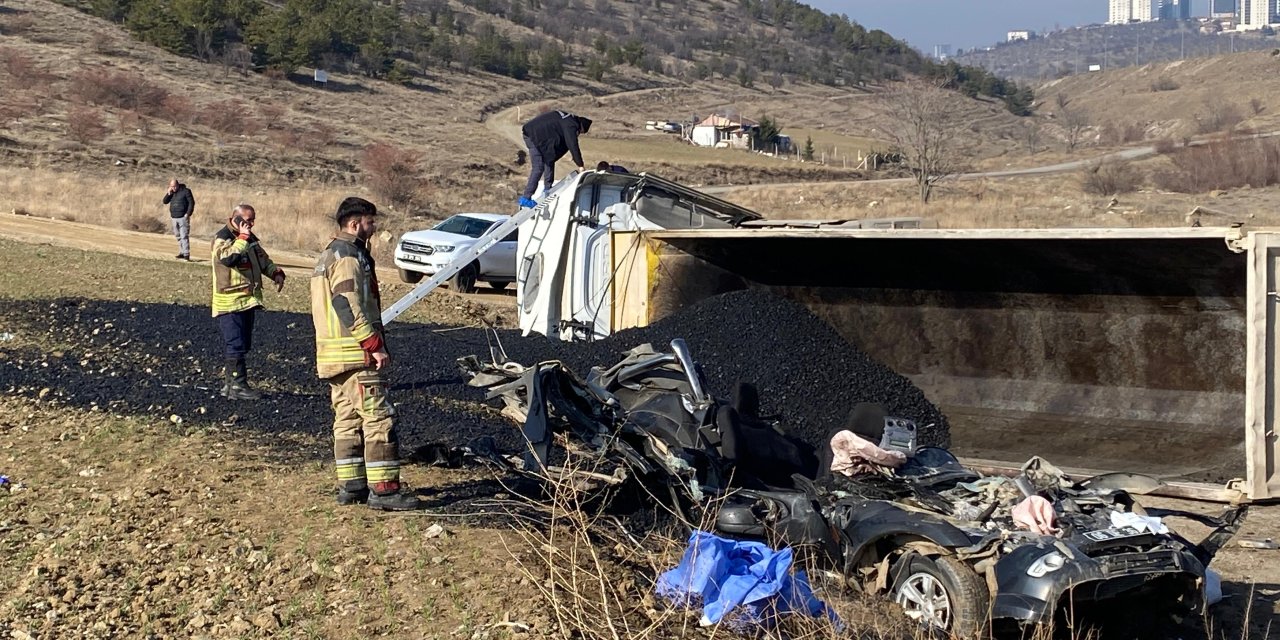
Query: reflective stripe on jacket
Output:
(346,307)
(238,267)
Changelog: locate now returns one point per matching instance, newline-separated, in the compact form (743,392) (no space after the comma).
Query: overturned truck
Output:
(1083,345)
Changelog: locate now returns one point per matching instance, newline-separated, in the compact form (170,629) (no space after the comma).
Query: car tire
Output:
(410,277)
(943,593)
(465,280)
(499,286)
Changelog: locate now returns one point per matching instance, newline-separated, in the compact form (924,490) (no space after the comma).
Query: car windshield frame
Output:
(464,225)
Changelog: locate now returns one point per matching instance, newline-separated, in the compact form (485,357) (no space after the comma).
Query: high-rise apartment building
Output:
(1222,8)
(1255,14)
(1125,11)
(1121,12)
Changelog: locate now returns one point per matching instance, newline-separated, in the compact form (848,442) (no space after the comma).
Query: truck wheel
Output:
(945,594)
(465,280)
(410,277)
(499,286)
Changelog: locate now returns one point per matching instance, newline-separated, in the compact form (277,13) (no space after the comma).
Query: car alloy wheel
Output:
(924,599)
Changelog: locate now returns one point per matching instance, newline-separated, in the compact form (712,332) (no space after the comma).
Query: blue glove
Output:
(527,203)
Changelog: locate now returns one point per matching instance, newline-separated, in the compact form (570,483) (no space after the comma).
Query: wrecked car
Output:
(958,551)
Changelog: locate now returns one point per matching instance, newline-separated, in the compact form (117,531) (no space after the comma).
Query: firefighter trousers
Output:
(365,444)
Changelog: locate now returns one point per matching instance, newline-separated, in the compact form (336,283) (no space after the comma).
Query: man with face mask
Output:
(351,354)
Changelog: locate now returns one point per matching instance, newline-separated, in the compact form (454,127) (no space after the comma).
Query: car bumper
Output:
(1031,600)
(429,265)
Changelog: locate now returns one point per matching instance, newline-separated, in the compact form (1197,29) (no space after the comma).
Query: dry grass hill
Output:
(89,114)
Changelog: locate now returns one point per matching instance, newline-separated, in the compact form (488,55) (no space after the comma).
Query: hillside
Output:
(1072,51)
(1173,100)
(83,95)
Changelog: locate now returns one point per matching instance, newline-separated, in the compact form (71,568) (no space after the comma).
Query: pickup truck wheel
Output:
(498,286)
(410,277)
(945,594)
(465,280)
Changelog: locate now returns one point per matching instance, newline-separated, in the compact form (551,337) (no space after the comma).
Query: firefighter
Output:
(239,262)
(351,354)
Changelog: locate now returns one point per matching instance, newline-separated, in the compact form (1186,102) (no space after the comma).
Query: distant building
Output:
(1222,8)
(1126,11)
(1020,35)
(1256,14)
(1121,12)
(1174,10)
(941,51)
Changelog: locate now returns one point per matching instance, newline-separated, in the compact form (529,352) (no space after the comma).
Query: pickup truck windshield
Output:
(464,226)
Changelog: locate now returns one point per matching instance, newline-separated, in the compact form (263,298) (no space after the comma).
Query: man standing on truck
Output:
(239,263)
(346,308)
(549,137)
(181,205)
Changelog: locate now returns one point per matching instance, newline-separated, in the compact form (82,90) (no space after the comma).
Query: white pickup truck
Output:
(423,253)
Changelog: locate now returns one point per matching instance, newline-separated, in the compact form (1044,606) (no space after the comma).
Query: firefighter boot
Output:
(238,382)
(353,492)
(386,496)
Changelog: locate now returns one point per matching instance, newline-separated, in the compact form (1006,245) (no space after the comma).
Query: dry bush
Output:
(230,117)
(22,71)
(1257,106)
(1218,117)
(1223,164)
(1164,84)
(144,224)
(86,124)
(121,89)
(271,114)
(1117,134)
(134,122)
(178,110)
(392,173)
(1110,178)
(288,138)
(103,44)
(1165,146)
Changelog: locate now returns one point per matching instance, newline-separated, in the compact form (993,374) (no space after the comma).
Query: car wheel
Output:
(499,286)
(465,280)
(943,593)
(410,277)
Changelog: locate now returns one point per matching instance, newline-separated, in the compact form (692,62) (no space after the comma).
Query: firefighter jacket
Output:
(238,267)
(346,307)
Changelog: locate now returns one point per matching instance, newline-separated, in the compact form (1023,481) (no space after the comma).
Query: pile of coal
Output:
(166,360)
(809,377)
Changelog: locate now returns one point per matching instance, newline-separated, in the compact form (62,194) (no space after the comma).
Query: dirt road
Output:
(87,237)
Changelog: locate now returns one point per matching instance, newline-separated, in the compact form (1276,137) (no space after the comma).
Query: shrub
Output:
(1223,164)
(134,122)
(391,172)
(1218,117)
(1110,178)
(22,70)
(121,89)
(1123,134)
(230,117)
(86,125)
(178,110)
(144,224)
(271,114)
(1164,84)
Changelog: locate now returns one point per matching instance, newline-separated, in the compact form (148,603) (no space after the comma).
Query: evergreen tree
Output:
(808,151)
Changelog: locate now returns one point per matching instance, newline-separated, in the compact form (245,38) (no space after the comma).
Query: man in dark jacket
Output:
(548,137)
(181,205)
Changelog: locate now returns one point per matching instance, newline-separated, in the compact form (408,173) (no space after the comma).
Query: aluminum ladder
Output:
(485,242)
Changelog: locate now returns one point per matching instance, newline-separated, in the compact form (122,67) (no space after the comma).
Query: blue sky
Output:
(969,23)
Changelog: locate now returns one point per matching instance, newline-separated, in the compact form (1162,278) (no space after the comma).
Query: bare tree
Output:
(926,130)
(1073,120)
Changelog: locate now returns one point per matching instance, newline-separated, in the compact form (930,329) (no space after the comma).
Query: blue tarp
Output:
(723,575)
